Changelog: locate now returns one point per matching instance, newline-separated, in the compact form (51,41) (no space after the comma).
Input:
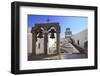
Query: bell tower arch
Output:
(41,31)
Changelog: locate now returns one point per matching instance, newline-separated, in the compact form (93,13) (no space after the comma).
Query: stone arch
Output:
(45,26)
(52,42)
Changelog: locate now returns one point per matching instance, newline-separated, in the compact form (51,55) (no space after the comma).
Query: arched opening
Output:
(40,41)
(45,41)
(52,40)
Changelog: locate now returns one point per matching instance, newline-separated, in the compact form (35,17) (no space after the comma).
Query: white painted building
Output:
(29,40)
(81,38)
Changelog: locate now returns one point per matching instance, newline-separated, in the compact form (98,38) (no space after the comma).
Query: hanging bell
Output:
(40,33)
(52,33)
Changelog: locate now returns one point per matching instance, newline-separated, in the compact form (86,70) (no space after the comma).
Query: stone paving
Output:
(67,51)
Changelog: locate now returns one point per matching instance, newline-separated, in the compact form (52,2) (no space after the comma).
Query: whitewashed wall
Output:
(82,37)
(41,49)
(29,41)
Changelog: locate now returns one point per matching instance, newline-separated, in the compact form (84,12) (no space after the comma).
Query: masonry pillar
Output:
(34,43)
(58,44)
(45,43)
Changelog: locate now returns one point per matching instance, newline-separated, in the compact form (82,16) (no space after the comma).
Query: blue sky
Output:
(75,23)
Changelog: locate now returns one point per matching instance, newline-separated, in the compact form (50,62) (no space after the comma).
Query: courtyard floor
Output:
(67,51)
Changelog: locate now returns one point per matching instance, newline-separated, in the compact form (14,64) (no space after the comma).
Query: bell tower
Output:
(41,31)
(68,34)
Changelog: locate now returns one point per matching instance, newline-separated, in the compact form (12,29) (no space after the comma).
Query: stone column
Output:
(45,43)
(58,44)
(34,44)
